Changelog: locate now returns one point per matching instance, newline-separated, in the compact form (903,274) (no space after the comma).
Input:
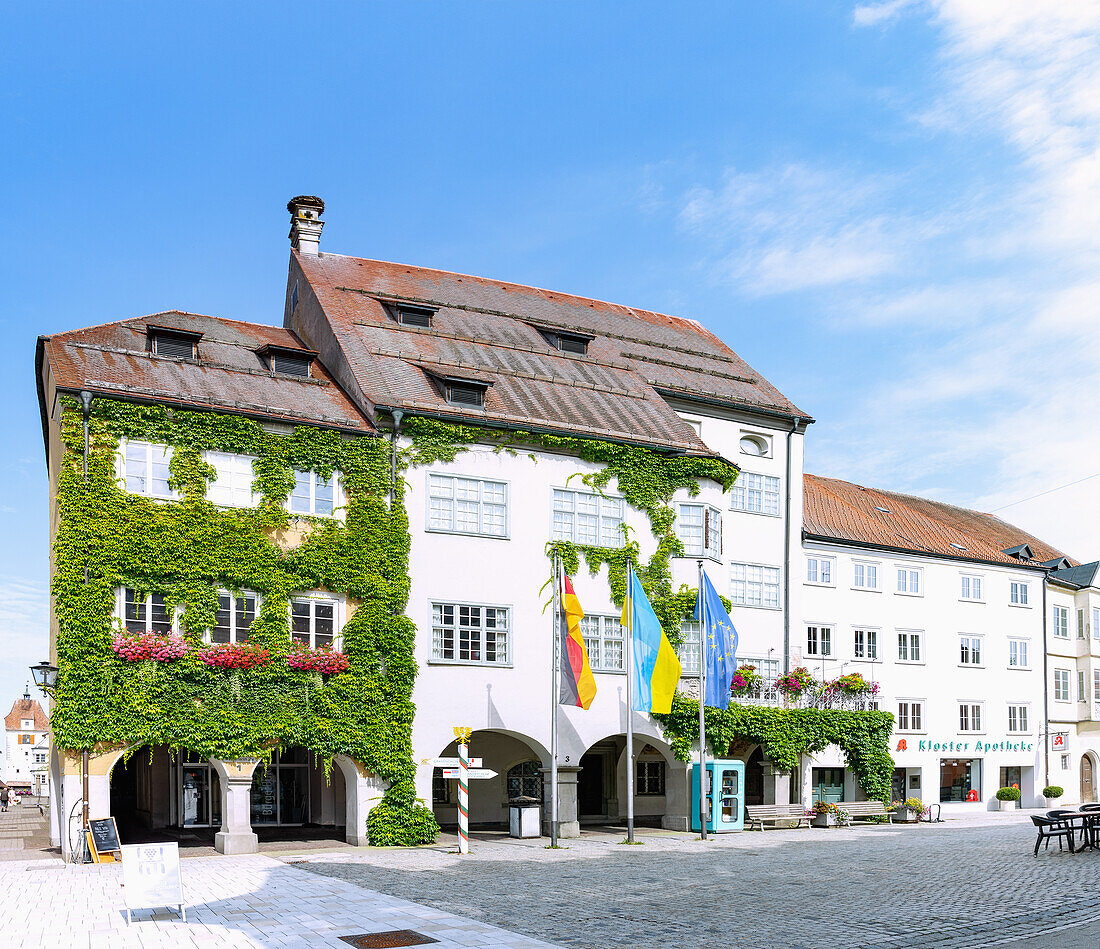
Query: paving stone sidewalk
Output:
(965,883)
(252,901)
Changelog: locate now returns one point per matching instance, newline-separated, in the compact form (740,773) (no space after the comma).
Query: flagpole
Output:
(702,707)
(554,688)
(629,711)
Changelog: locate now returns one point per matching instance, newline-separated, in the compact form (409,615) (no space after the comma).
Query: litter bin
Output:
(523,817)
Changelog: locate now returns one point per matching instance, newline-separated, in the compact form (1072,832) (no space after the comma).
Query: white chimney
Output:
(305,222)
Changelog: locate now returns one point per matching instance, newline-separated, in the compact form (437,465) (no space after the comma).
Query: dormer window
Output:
(178,344)
(417,316)
(287,361)
(465,392)
(1022,552)
(567,342)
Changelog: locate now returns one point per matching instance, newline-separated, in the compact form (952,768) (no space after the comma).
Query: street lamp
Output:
(45,676)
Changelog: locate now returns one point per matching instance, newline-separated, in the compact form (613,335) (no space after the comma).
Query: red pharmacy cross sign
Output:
(902,746)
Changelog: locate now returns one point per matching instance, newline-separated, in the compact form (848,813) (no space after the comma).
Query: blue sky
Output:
(889,209)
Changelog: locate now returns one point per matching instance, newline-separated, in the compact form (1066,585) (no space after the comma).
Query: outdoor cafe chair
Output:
(1048,828)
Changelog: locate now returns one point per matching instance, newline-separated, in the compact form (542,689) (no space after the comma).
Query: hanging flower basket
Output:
(149,646)
(321,660)
(234,655)
(746,681)
(794,683)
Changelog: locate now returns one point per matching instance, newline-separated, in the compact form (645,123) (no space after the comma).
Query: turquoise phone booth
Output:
(725,799)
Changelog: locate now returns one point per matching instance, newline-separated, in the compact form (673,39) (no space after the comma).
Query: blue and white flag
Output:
(720,644)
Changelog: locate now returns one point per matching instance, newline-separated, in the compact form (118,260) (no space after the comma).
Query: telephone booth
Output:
(725,800)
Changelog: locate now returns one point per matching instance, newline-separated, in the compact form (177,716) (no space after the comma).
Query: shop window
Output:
(280,792)
(960,779)
(1011,777)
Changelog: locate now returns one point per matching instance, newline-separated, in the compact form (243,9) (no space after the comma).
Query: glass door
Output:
(198,793)
(731,796)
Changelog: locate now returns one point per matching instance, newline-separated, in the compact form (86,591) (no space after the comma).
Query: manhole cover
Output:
(392,937)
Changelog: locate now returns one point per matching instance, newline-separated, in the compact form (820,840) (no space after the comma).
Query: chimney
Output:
(305,222)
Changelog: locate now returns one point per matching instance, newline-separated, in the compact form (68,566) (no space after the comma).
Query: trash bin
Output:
(523,817)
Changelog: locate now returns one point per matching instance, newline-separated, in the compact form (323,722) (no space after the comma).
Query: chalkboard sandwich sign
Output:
(103,842)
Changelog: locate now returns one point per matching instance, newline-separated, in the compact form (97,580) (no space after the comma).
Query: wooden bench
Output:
(861,810)
(759,814)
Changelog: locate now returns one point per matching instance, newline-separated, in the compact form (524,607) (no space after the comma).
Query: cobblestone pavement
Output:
(231,902)
(24,832)
(957,884)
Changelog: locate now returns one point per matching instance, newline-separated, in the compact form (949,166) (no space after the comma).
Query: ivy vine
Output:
(186,549)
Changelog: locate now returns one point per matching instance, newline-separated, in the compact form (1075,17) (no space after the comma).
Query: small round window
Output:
(753,445)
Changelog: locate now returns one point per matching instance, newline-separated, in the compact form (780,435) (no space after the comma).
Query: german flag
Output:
(578,686)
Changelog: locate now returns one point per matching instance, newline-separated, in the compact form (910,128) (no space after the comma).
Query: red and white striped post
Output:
(462,736)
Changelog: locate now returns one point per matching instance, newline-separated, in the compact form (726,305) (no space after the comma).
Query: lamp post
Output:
(45,677)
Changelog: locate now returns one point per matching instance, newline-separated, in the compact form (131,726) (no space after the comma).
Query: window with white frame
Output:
(1081,634)
(144,612)
(688,650)
(1095,685)
(699,527)
(754,584)
(753,444)
(1061,622)
(819,570)
(467,506)
(1017,719)
(1065,762)
(40,757)
(233,480)
(1061,685)
(604,638)
(970,587)
(1018,654)
(910,715)
(970,717)
(233,617)
(314,495)
(1096,622)
(910,645)
(587,518)
(865,643)
(970,650)
(768,669)
(144,467)
(1082,686)
(864,575)
(1017,593)
(910,581)
(469,633)
(755,494)
(819,641)
(314,620)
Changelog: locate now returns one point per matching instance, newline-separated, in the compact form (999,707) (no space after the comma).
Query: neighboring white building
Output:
(1073,670)
(26,727)
(944,608)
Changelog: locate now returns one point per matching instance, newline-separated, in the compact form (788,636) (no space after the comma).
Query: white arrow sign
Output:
(473,774)
(450,762)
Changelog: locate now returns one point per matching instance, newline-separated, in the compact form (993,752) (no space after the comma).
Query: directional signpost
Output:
(461,769)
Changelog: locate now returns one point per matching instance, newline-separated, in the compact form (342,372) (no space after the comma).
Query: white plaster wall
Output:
(940,680)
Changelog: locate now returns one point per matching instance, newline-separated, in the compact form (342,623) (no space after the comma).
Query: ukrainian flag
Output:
(655,668)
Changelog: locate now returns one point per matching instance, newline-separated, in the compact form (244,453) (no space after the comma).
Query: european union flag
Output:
(720,644)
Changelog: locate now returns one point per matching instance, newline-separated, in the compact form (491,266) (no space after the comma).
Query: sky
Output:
(890,209)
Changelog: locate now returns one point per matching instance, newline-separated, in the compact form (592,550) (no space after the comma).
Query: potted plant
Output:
(908,811)
(1009,798)
(829,815)
(746,681)
(1052,792)
(792,685)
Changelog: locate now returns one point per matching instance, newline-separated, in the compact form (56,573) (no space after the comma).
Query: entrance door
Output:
(828,785)
(754,778)
(1088,783)
(590,796)
(897,785)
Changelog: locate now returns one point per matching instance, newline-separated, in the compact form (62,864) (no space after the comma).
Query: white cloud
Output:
(876,14)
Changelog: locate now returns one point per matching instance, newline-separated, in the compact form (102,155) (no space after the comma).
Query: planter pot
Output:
(905,815)
(1008,805)
(824,820)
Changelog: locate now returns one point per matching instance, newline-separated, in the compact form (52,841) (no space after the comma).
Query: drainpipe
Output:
(1046,696)
(397,416)
(787,559)
(86,403)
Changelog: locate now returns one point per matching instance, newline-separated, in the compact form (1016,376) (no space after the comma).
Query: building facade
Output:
(26,743)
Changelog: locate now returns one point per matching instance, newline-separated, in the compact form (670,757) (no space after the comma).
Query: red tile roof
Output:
(491,327)
(26,708)
(838,510)
(228,376)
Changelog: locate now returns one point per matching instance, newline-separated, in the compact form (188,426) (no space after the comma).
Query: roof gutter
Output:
(787,559)
(848,542)
(726,403)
